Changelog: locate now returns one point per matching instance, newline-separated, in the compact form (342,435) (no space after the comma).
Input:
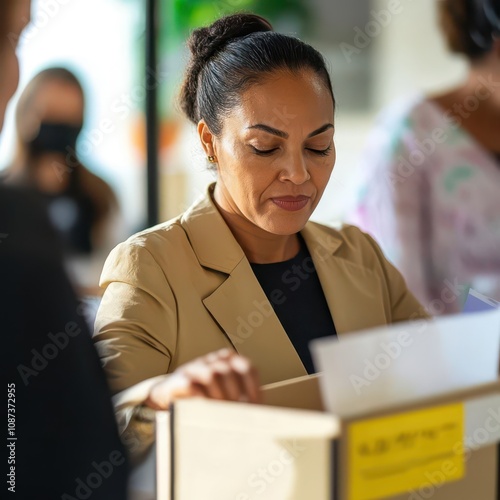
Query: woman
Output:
(240,283)
(432,172)
(82,206)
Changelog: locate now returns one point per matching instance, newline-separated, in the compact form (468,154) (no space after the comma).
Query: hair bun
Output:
(205,42)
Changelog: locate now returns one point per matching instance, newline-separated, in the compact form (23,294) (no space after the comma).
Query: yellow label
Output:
(419,450)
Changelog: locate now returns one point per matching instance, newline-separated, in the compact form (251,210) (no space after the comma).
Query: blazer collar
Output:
(210,237)
(353,291)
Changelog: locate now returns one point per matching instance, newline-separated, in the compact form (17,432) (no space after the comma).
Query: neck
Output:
(484,79)
(259,246)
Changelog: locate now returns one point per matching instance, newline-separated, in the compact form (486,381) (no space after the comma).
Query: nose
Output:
(296,170)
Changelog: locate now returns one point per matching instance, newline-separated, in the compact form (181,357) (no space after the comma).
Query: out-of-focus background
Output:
(377,50)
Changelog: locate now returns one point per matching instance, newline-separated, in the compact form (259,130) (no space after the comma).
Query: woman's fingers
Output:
(222,375)
(236,376)
(247,379)
(226,380)
(202,375)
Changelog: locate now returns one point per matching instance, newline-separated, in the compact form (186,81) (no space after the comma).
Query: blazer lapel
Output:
(353,292)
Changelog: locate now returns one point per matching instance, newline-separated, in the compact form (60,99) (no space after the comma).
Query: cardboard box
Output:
(232,443)
(413,434)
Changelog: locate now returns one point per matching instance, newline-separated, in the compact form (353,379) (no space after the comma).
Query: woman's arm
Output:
(136,335)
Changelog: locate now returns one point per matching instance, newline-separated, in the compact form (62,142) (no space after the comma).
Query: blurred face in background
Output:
(16,14)
(58,101)
(54,103)
(49,129)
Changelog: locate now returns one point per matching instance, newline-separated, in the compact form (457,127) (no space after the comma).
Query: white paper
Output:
(405,362)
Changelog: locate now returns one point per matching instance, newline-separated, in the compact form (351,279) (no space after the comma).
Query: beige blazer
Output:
(185,288)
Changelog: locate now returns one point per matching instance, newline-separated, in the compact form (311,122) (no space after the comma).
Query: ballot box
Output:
(426,425)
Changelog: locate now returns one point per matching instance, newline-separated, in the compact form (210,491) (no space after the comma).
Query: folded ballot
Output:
(408,361)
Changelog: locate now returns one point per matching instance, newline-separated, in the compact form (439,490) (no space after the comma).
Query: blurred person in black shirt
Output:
(62,440)
(82,206)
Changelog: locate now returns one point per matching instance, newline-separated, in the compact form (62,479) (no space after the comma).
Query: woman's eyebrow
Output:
(283,134)
(270,130)
(321,129)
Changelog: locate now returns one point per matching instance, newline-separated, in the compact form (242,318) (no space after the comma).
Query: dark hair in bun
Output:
(232,54)
(470,25)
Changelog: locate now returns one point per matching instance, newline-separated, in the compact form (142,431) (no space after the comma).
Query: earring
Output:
(211,159)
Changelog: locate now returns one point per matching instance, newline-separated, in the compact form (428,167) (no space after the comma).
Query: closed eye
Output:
(268,152)
(321,152)
(264,152)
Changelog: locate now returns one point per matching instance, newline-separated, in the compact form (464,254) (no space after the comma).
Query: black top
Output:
(73,214)
(294,290)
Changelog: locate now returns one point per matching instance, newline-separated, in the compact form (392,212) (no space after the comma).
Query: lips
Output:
(291,203)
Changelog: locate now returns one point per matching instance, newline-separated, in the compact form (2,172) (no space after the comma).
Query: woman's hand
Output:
(222,375)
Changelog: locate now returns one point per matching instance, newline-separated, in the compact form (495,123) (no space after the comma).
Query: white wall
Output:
(410,53)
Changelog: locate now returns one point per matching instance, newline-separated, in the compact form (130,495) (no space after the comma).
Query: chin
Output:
(285,228)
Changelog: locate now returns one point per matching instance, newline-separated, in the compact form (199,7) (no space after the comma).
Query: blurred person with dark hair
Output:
(62,440)
(431,172)
(82,206)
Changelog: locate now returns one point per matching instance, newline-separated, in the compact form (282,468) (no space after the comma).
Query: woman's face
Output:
(276,152)
(55,101)
(58,101)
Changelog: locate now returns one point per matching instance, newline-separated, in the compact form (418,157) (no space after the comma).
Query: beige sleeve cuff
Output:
(136,422)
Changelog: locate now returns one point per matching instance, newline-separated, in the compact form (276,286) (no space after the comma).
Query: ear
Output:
(206,138)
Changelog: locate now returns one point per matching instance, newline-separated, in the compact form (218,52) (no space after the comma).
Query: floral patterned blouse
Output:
(431,197)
